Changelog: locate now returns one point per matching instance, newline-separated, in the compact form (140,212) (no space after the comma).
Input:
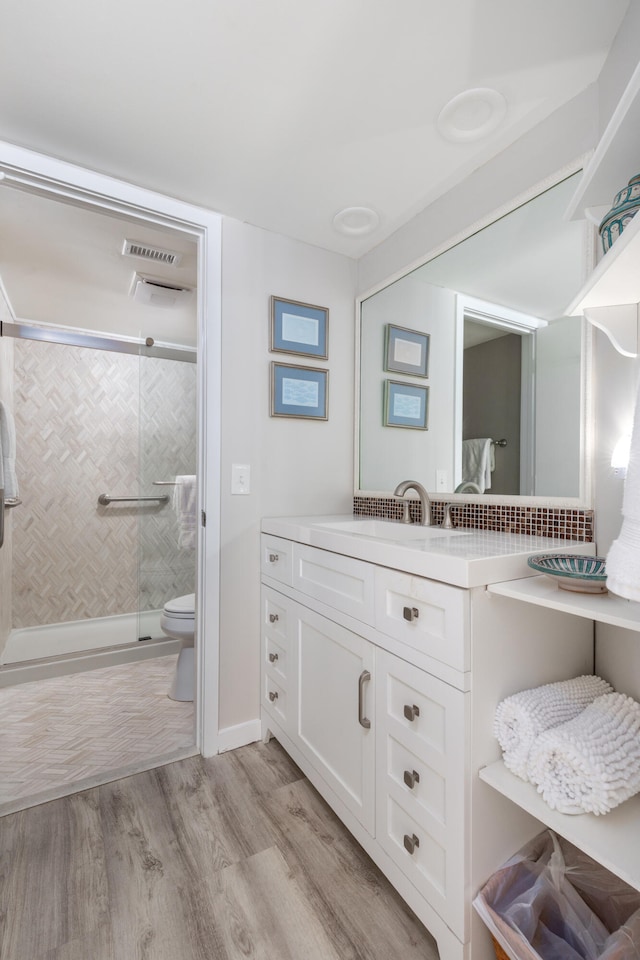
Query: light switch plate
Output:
(240,478)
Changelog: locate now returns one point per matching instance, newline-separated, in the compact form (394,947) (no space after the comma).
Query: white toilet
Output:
(178,621)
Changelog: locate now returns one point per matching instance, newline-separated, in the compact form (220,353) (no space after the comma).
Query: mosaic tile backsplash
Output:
(558,523)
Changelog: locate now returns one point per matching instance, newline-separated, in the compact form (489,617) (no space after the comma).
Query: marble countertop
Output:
(465,558)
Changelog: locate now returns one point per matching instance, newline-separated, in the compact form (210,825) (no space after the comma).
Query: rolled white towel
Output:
(592,763)
(522,717)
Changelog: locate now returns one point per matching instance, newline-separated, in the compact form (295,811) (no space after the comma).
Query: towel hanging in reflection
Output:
(8,477)
(184,504)
(478,462)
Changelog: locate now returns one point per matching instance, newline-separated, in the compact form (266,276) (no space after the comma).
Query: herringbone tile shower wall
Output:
(91,422)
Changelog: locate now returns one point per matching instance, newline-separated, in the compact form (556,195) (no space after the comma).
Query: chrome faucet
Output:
(425,503)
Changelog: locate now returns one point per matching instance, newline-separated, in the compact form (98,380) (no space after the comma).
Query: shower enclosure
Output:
(104,427)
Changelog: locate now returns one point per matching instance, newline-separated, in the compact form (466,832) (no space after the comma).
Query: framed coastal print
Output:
(406,351)
(299,328)
(406,405)
(299,392)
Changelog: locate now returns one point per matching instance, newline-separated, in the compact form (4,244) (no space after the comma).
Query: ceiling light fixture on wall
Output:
(472,115)
(356,221)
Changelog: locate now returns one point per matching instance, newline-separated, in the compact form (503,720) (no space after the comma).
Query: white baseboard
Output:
(230,738)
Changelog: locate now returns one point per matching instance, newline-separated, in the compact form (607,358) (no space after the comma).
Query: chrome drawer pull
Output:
(411,778)
(273,618)
(410,613)
(411,712)
(410,843)
(272,696)
(273,558)
(365,676)
(273,657)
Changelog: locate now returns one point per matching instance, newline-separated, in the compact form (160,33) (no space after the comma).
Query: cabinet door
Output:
(335,700)
(420,803)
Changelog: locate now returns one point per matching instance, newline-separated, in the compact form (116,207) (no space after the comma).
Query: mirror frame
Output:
(585,499)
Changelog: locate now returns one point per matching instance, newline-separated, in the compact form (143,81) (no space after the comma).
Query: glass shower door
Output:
(167,453)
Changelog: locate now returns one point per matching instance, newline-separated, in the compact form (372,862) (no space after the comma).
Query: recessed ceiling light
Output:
(356,221)
(472,115)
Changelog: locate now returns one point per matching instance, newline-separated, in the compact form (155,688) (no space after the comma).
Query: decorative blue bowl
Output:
(626,204)
(572,572)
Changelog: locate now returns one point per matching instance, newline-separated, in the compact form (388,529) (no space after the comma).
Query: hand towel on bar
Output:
(8,453)
(476,462)
(623,560)
(522,717)
(592,763)
(184,504)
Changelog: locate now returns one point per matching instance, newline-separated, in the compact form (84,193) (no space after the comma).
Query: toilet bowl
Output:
(178,621)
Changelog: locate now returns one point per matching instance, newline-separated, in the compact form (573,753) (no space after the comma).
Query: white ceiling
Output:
(282,113)
(278,113)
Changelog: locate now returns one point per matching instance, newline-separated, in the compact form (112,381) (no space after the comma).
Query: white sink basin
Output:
(391,529)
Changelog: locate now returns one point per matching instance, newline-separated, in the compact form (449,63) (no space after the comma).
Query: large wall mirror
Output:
(471,378)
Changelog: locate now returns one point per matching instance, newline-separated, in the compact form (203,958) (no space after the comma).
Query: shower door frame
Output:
(57,180)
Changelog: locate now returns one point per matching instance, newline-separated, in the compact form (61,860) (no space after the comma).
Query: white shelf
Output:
(544,592)
(611,840)
(616,158)
(616,279)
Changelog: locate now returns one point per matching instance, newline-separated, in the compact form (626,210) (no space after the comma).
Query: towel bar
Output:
(104,499)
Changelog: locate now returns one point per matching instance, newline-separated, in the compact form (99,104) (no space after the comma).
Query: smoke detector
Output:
(156,292)
(135,248)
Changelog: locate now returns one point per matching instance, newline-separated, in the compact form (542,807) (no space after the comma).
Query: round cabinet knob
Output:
(410,843)
(411,777)
(272,696)
(411,712)
(273,618)
(273,558)
(273,657)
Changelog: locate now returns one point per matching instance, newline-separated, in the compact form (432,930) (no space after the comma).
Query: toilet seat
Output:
(181,608)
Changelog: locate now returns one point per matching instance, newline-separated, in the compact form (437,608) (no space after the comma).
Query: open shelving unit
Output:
(544,592)
(611,840)
(610,297)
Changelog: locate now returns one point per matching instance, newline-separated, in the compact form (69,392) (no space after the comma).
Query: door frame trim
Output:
(37,173)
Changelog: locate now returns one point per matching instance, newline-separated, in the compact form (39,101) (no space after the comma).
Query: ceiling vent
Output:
(156,292)
(134,248)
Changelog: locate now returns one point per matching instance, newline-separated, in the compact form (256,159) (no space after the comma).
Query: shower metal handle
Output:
(104,500)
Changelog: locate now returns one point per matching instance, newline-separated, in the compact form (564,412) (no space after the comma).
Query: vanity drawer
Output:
(420,781)
(274,615)
(276,559)
(275,659)
(429,616)
(274,699)
(341,582)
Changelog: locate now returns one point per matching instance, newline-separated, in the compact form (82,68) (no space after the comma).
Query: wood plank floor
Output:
(232,858)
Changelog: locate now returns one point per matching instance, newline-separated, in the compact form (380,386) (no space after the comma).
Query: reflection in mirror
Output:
(505,377)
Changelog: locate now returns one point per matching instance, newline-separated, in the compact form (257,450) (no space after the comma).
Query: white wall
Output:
(297,466)
(561,139)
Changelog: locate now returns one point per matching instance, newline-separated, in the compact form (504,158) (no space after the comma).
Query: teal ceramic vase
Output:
(626,204)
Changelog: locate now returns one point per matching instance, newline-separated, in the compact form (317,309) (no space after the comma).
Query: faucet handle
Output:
(406,511)
(447,522)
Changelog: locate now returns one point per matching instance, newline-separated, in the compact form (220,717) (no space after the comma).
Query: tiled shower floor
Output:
(69,733)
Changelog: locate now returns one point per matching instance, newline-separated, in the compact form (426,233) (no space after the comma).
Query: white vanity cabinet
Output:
(381,683)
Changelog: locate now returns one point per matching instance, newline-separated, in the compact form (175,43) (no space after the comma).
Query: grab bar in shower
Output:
(165,483)
(104,500)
